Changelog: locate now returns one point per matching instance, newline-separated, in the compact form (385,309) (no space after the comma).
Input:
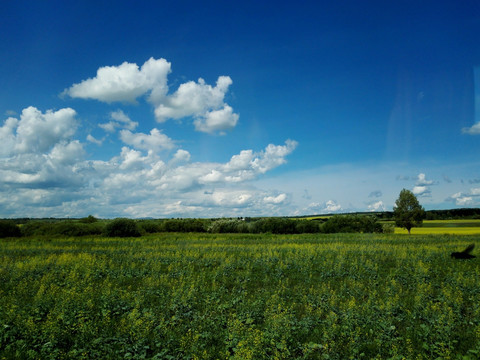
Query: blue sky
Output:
(238,108)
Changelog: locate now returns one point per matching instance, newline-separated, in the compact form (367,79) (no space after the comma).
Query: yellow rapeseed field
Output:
(234,296)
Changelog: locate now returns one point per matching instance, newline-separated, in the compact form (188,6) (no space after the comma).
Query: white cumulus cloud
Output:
(119,120)
(275,199)
(217,120)
(92,139)
(193,99)
(43,165)
(421,190)
(422,180)
(332,207)
(473,130)
(181,156)
(155,141)
(466,199)
(125,83)
(376,206)
(36,131)
(328,207)
(475,191)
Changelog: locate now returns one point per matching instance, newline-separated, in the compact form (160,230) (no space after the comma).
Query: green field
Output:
(211,296)
(456,227)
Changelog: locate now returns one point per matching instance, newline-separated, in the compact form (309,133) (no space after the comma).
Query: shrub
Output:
(275,226)
(122,227)
(185,225)
(351,224)
(70,228)
(307,227)
(150,226)
(89,219)
(388,228)
(8,228)
(36,228)
(62,228)
(224,226)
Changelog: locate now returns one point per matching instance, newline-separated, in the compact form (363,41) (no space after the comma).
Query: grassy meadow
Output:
(250,296)
(452,227)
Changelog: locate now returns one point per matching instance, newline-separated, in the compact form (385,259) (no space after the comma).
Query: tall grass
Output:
(209,296)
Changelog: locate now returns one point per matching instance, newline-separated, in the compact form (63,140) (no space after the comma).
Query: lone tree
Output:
(407,211)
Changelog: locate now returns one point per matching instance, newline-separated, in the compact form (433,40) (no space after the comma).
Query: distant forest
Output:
(451,214)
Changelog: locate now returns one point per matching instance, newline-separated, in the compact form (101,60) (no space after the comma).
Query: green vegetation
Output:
(122,228)
(8,228)
(407,211)
(243,296)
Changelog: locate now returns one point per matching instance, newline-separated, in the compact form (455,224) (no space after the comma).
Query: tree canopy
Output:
(407,211)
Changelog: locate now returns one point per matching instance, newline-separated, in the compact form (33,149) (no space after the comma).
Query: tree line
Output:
(407,213)
(128,227)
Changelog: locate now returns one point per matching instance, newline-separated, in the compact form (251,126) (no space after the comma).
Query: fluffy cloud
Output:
(43,166)
(201,101)
(181,156)
(125,83)
(217,120)
(231,198)
(37,150)
(475,192)
(132,179)
(155,142)
(36,131)
(422,180)
(275,199)
(461,199)
(421,191)
(273,156)
(93,140)
(474,130)
(119,121)
(376,206)
(137,182)
(328,207)
(421,187)
(468,199)
(331,206)
(193,99)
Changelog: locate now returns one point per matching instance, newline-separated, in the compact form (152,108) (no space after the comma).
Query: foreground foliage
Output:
(208,296)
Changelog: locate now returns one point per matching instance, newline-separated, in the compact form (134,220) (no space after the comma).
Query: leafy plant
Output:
(122,227)
(407,211)
(8,228)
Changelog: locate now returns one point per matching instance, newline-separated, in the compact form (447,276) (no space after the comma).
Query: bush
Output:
(89,219)
(185,225)
(275,226)
(307,227)
(70,228)
(37,228)
(61,228)
(8,228)
(351,224)
(388,228)
(224,226)
(150,226)
(122,227)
